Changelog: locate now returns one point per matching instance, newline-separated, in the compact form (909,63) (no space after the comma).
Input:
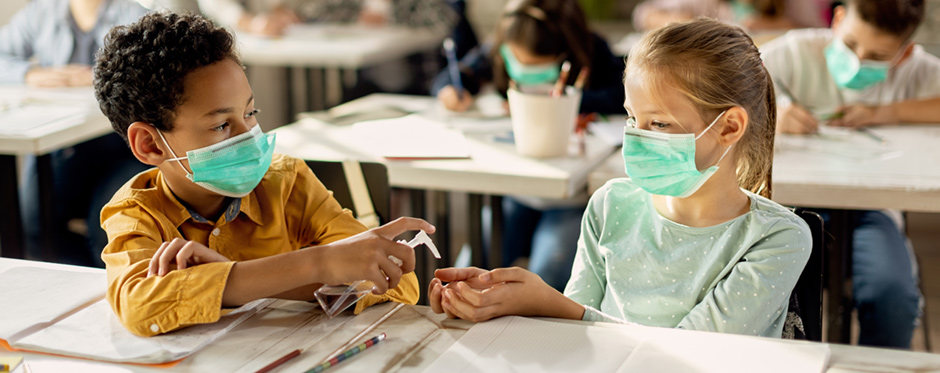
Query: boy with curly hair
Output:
(220,221)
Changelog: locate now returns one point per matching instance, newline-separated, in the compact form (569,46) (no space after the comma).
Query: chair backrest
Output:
(333,176)
(809,288)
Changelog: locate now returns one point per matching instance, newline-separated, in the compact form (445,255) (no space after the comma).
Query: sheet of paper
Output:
(610,132)
(842,143)
(36,297)
(34,119)
(702,352)
(518,344)
(411,137)
(95,333)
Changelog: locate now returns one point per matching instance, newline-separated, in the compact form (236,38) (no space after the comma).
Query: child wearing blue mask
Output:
(221,220)
(533,39)
(864,71)
(690,240)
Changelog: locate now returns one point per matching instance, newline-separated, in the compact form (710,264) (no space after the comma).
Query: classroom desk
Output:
(338,49)
(908,182)
(416,337)
(494,168)
(39,142)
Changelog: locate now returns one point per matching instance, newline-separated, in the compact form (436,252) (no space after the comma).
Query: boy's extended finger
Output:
(403,224)
(169,254)
(154,267)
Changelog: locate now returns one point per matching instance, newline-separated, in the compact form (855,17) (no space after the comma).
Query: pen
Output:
(868,132)
(346,355)
(451,53)
(562,79)
(278,362)
(582,78)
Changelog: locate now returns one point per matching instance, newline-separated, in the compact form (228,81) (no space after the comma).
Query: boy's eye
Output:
(220,127)
(252,113)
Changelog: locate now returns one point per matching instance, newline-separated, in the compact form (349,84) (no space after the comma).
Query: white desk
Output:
(335,46)
(493,167)
(416,337)
(339,49)
(910,182)
(39,142)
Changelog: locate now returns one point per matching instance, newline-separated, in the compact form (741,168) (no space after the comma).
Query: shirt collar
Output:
(178,213)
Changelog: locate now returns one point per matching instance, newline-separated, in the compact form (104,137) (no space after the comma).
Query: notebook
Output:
(57,309)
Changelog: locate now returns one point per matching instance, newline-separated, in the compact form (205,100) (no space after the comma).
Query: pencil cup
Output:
(543,125)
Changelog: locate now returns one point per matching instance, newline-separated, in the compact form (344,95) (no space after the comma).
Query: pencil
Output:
(562,80)
(868,132)
(452,67)
(278,362)
(348,354)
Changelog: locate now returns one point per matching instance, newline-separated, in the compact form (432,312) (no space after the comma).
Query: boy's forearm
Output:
(917,111)
(286,275)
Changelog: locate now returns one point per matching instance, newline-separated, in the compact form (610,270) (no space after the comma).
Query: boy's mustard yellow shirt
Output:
(290,209)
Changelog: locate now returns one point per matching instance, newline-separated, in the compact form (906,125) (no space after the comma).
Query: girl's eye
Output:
(631,122)
(659,125)
(220,127)
(252,113)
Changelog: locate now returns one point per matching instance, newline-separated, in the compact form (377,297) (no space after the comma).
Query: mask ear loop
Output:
(708,128)
(175,157)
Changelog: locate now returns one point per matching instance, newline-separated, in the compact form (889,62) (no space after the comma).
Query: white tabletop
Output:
(335,46)
(416,337)
(908,179)
(493,167)
(47,138)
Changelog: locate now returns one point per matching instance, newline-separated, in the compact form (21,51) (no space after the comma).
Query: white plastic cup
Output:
(543,125)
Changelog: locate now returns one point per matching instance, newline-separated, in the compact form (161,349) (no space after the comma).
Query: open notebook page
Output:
(35,297)
(95,333)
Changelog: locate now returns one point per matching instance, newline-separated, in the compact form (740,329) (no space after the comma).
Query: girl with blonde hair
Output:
(690,240)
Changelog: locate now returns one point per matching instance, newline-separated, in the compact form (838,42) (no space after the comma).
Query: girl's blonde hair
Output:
(717,67)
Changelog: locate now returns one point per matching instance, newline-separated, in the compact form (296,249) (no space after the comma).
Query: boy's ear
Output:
(908,51)
(735,124)
(143,138)
(838,14)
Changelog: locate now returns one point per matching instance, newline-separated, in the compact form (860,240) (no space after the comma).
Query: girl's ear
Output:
(143,138)
(735,123)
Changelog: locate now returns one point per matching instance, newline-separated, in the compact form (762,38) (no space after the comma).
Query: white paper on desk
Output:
(34,119)
(518,344)
(35,297)
(610,132)
(95,333)
(411,137)
(844,143)
(704,352)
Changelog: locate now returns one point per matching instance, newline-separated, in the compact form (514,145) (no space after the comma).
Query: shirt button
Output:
(215,232)
(154,328)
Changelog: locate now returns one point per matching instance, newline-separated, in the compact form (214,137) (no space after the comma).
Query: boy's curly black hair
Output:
(140,70)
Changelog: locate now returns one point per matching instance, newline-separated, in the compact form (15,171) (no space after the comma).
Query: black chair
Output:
(806,298)
(332,176)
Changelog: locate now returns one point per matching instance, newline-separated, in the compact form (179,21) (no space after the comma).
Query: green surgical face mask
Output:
(664,163)
(232,167)
(848,71)
(528,74)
